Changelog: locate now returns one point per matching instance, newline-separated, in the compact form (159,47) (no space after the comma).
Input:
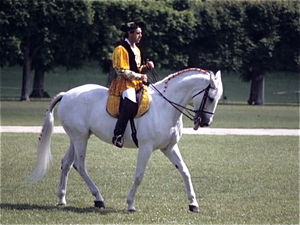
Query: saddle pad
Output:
(113,104)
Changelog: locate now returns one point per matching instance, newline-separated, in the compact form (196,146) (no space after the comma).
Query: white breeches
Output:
(130,94)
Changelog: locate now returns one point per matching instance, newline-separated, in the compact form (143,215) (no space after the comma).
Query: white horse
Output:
(82,112)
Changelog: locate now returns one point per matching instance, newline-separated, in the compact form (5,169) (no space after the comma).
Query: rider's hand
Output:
(150,65)
(144,78)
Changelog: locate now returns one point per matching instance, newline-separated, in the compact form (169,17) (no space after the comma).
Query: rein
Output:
(181,108)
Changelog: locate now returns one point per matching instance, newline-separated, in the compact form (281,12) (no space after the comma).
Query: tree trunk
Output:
(38,85)
(112,75)
(26,74)
(257,90)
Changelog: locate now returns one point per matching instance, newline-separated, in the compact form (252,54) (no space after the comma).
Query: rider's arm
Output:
(121,64)
(129,74)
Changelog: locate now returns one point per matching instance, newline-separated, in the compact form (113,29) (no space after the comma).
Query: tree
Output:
(260,25)
(218,43)
(167,35)
(251,38)
(105,28)
(71,32)
(50,34)
(25,24)
(10,52)
(287,50)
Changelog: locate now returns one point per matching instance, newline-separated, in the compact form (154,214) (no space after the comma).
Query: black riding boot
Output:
(128,110)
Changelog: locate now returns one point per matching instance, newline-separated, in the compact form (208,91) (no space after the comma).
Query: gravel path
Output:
(202,131)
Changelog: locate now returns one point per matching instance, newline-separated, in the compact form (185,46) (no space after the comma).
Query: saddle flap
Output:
(113,103)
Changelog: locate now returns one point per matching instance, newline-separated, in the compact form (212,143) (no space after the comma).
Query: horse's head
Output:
(205,101)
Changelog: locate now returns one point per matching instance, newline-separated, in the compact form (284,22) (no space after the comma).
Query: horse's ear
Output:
(218,75)
(212,82)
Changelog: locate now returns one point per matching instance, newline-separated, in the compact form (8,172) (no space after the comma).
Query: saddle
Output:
(114,104)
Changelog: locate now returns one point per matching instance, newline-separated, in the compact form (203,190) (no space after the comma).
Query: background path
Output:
(202,131)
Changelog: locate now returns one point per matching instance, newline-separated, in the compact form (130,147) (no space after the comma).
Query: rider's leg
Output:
(129,110)
(130,93)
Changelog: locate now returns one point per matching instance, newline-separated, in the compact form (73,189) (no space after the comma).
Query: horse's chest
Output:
(175,135)
(169,137)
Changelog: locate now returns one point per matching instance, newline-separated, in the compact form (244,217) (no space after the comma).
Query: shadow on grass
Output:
(22,207)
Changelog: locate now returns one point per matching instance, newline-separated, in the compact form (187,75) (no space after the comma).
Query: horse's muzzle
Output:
(202,121)
(204,124)
(205,121)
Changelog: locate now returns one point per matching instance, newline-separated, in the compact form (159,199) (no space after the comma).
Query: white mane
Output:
(163,84)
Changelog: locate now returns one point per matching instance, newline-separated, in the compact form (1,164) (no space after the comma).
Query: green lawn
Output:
(237,179)
(280,88)
(227,116)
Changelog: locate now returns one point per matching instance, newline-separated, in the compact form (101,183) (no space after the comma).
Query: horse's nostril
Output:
(206,124)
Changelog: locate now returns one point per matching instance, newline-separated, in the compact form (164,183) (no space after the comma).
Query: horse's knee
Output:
(184,171)
(67,161)
(138,179)
(81,170)
(65,165)
(79,166)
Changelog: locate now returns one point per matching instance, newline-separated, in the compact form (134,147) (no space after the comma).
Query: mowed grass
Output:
(15,113)
(280,87)
(237,179)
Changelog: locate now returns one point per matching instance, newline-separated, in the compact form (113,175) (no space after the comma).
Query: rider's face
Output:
(136,36)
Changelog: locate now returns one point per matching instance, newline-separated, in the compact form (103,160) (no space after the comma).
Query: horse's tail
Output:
(44,156)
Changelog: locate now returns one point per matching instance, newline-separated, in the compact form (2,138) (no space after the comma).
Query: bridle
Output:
(181,108)
(201,110)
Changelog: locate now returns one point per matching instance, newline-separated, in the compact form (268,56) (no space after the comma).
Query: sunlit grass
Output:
(280,87)
(227,116)
(237,179)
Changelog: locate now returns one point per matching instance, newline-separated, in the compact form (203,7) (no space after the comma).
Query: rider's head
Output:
(133,31)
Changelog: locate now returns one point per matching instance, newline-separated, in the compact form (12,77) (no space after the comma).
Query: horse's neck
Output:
(178,87)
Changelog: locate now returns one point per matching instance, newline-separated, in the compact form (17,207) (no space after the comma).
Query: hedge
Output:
(242,36)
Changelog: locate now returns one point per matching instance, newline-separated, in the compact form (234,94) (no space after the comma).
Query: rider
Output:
(131,76)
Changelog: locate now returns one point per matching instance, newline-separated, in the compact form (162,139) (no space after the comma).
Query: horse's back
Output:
(81,105)
(86,90)
(84,95)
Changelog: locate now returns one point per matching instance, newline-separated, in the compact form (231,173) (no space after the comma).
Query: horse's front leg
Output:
(142,161)
(175,157)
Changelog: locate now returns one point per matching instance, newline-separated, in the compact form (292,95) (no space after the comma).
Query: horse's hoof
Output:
(131,209)
(61,205)
(194,208)
(99,204)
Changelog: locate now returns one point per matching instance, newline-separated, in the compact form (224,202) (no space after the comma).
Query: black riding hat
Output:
(131,26)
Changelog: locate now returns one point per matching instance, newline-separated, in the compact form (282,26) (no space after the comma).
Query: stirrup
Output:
(117,141)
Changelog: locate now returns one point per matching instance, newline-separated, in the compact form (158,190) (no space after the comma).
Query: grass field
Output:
(237,179)
(227,116)
(280,88)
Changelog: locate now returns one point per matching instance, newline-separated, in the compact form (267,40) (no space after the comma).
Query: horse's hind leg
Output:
(175,157)
(80,166)
(66,164)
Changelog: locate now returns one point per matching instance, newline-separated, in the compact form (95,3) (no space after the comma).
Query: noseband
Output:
(201,110)
(180,108)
